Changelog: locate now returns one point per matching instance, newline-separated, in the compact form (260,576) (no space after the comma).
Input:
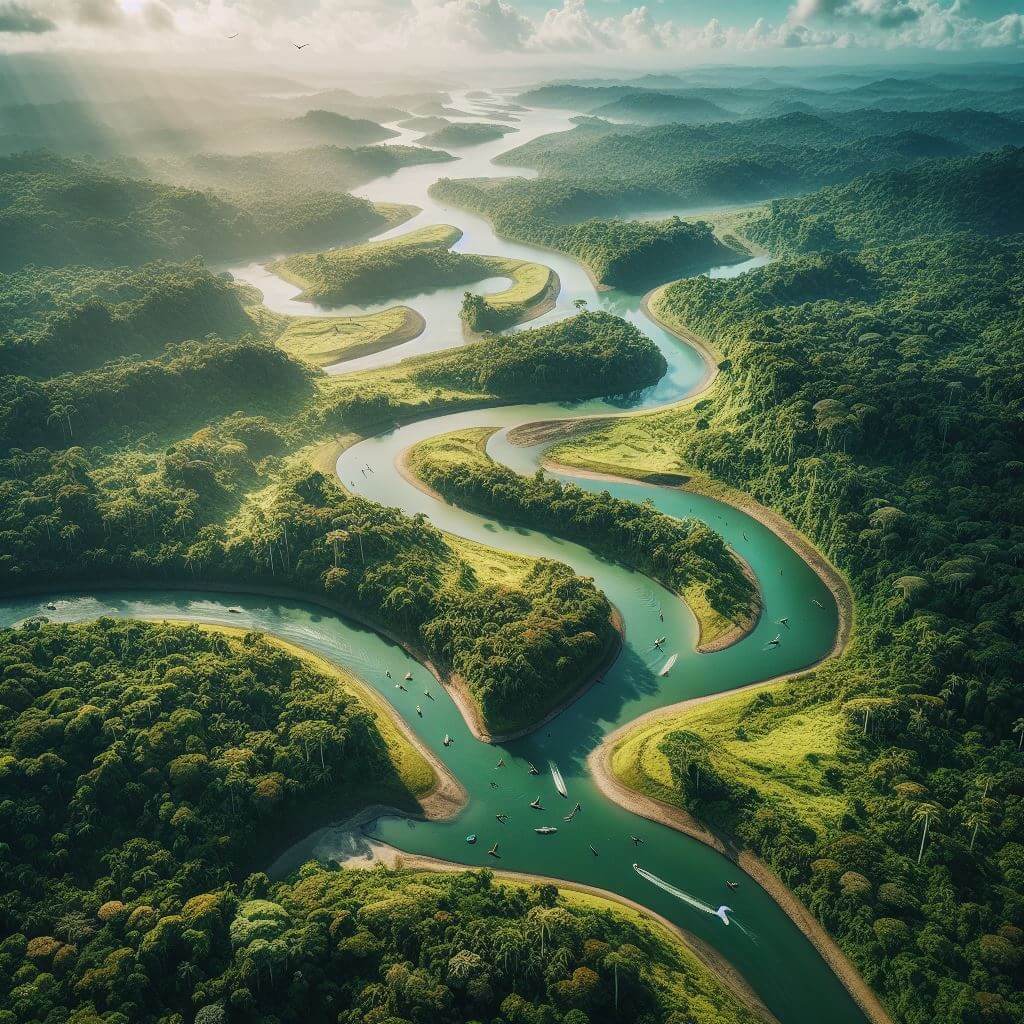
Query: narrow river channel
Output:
(766,947)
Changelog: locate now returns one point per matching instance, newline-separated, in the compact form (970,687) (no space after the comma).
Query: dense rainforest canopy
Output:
(623,253)
(49,204)
(77,318)
(145,772)
(874,397)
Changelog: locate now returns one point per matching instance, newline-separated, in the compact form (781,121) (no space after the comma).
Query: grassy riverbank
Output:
(324,341)
(682,555)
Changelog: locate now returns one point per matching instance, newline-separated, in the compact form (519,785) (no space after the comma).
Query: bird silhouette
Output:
(300,46)
(234,35)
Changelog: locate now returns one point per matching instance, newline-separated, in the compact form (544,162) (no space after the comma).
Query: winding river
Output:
(770,952)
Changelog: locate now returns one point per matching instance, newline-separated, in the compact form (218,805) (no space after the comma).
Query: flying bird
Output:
(300,46)
(234,35)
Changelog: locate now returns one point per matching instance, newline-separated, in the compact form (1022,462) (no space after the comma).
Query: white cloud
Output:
(475,24)
(17,18)
(436,30)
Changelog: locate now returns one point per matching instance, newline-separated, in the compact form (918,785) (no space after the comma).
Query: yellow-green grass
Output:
(304,269)
(676,968)
(456,448)
(783,758)
(325,340)
(413,770)
(530,283)
(396,213)
(729,225)
(491,566)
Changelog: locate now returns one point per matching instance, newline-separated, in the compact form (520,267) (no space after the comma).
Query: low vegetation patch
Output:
(326,340)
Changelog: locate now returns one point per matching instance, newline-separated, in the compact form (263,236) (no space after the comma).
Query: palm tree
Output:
(925,812)
(337,537)
(979,821)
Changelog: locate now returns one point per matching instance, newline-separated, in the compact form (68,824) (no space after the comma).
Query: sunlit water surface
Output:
(763,944)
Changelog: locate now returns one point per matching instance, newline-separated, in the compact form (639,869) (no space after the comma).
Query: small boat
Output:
(636,842)
(502,817)
(51,606)
(784,621)
(668,665)
(545,830)
(592,850)
(399,686)
(234,609)
(471,838)
(447,740)
(816,603)
(535,804)
(573,813)
(722,911)
(408,677)
(501,763)
(387,672)
(556,777)
(493,851)
(428,694)
(419,711)
(733,885)
(533,770)
(660,641)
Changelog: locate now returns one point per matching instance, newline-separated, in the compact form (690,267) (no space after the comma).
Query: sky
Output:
(506,32)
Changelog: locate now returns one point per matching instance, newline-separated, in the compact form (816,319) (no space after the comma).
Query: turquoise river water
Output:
(764,945)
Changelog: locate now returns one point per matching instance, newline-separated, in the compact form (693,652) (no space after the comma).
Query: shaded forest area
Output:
(874,399)
(145,770)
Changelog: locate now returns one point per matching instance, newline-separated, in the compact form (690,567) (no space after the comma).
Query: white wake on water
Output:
(722,912)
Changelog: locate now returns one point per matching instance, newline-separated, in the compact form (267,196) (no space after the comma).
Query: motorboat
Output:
(556,777)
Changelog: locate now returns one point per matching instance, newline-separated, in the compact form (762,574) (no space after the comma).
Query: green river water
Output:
(763,944)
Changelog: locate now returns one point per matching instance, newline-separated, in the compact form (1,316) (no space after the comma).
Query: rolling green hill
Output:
(55,212)
(982,194)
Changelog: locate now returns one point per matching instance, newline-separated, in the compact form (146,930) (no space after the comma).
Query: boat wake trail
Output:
(721,913)
(556,776)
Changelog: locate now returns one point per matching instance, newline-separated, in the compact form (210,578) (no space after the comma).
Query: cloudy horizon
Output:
(510,33)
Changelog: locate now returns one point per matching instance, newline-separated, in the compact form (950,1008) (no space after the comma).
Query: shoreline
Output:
(457,687)
(393,858)
(599,760)
(446,795)
(731,636)
(599,766)
(413,327)
(542,303)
